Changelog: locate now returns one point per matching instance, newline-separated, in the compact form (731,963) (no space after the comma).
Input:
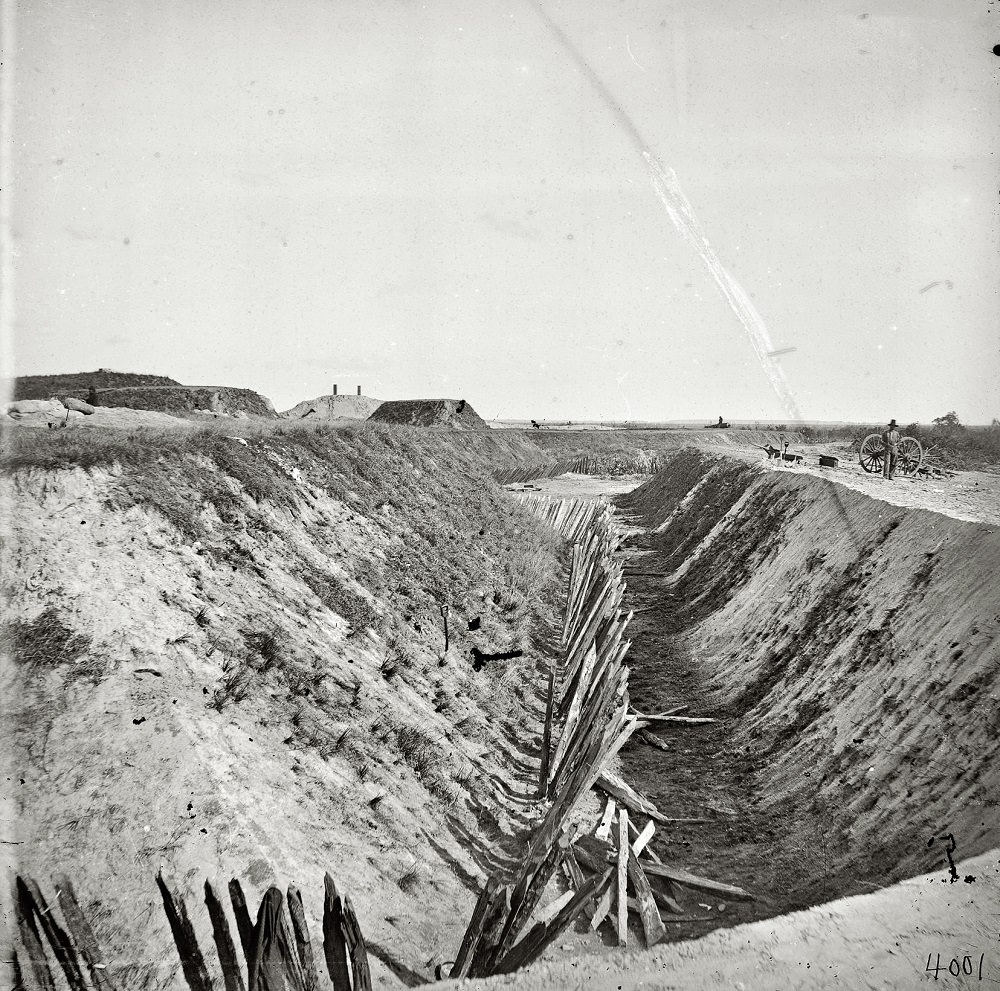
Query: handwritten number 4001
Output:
(955,968)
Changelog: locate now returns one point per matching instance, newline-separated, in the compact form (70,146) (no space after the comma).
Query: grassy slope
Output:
(290,593)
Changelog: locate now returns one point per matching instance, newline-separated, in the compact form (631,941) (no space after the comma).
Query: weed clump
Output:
(233,687)
(332,591)
(45,642)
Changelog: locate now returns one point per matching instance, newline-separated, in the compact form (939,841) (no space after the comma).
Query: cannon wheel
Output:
(910,455)
(870,454)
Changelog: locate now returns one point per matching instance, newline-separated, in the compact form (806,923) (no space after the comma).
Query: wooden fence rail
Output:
(277,950)
(587,721)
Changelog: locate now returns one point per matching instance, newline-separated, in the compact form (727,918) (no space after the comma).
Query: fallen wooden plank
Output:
(652,740)
(652,924)
(665,894)
(659,715)
(665,899)
(639,843)
(682,720)
(687,880)
(613,785)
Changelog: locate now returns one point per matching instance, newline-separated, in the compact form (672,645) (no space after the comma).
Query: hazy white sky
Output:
(435,199)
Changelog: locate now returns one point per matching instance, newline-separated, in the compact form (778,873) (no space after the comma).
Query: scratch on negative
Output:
(628,48)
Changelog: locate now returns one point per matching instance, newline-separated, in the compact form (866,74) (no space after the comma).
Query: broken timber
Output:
(277,954)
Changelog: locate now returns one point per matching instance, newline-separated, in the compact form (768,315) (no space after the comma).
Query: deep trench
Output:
(778,853)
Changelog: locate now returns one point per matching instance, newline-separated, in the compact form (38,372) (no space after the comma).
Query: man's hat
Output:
(892,423)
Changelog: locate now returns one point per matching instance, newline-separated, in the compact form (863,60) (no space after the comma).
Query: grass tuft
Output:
(44,642)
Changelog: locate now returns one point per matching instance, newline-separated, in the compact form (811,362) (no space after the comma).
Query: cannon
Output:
(908,457)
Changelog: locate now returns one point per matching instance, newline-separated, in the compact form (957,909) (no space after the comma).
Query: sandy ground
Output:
(973,496)
(885,940)
(969,495)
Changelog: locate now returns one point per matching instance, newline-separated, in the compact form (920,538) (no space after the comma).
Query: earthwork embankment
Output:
(848,648)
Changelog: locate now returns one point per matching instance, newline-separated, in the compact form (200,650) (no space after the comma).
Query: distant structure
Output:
(446,414)
(334,407)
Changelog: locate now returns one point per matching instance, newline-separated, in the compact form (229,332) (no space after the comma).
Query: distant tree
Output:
(949,420)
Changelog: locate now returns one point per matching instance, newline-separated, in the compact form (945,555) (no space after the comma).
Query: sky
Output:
(551,209)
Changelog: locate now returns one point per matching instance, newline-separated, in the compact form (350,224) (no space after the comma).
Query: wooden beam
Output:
(334,941)
(652,924)
(683,720)
(244,924)
(303,943)
(543,771)
(356,948)
(495,917)
(540,936)
(474,932)
(231,976)
(687,880)
(275,963)
(639,843)
(192,962)
(623,856)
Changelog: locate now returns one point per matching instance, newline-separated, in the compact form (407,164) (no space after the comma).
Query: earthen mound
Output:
(77,383)
(454,414)
(333,408)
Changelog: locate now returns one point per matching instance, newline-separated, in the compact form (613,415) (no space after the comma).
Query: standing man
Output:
(890,449)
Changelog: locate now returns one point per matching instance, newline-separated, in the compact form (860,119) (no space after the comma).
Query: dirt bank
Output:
(852,647)
(226,658)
